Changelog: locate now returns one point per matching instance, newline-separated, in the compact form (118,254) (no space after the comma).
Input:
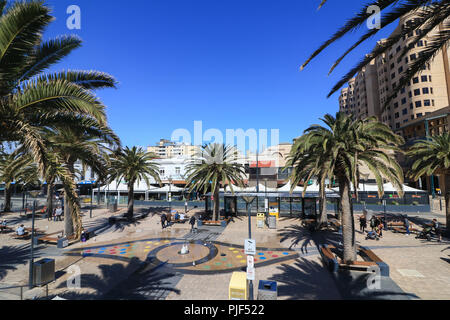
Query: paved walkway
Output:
(140,261)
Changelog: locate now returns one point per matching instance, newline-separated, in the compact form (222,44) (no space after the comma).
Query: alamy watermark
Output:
(253,140)
(374,21)
(73,22)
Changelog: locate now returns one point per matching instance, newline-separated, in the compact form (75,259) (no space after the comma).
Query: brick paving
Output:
(417,267)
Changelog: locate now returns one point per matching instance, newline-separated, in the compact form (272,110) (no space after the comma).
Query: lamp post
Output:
(266,200)
(30,275)
(170,195)
(249,201)
(92,195)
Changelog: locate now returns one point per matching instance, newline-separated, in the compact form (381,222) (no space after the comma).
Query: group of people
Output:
(56,214)
(166,219)
(377,225)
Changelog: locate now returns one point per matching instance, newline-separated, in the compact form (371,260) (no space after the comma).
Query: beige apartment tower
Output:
(428,92)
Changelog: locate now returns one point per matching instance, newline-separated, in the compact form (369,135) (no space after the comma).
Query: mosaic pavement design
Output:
(203,258)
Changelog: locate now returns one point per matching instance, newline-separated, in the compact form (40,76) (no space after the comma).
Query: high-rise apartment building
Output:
(428,91)
(167,149)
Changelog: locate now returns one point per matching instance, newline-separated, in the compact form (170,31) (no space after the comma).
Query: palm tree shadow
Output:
(141,282)
(305,280)
(106,224)
(300,236)
(11,256)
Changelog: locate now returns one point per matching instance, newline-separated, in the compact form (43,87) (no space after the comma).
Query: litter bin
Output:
(260,218)
(272,222)
(63,243)
(112,207)
(267,290)
(238,286)
(44,272)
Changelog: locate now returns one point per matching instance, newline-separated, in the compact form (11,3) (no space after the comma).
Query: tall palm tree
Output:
(212,167)
(133,165)
(344,147)
(31,99)
(433,15)
(308,161)
(432,157)
(88,146)
(16,168)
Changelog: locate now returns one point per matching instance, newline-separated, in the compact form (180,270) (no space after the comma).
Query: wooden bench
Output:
(367,253)
(50,238)
(2,228)
(222,223)
(329,258)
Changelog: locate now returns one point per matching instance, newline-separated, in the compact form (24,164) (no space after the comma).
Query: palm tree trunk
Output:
(50,188)
(68,206)
(446,179)
(323,214)
(216,213)
(130,200)
(348,224)
(8,194)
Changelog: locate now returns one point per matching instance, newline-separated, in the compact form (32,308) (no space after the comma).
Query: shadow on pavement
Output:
(134,281)
(305,280)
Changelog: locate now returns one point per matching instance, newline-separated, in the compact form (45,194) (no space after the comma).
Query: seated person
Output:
(182,216)
(4,223)
(21,230)
(177,216)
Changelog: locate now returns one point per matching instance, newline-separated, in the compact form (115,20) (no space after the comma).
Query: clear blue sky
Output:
(229,63)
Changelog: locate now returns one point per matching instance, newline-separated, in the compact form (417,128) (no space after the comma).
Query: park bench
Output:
(8,229)
(52,238)
(222,223)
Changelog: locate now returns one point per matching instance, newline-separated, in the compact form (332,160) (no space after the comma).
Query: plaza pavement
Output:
(417,267)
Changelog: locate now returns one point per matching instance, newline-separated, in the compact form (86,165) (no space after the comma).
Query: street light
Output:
(249,201)
(170,195)
(34,194)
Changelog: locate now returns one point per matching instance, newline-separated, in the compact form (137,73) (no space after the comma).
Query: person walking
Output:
(192,223)
(373,223)
(406,221)
(163,220)
(362,223)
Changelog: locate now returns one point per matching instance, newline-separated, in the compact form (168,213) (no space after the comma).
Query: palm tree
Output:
(30,99)
(16,168)
(432,22)
(133,165)
(340,150)
(89,147)
(432,157)
(309,160)
(212,167)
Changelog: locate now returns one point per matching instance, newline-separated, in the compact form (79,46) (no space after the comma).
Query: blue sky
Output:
(229,63)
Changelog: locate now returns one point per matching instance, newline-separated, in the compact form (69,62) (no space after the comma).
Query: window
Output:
(427,103)
(416,80)
(420,43)
(393,75)
(429,78)
(400,70)
(406,60)
(413,57)
(403,90)
(403,100)
(398,49)
(424,78)
(425,91)
(177,171)
(417,92)
(405,111)
(411,106)
(419,115)
(418,104)
(397,115)
(410,94)
(396,105)
(431,90)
